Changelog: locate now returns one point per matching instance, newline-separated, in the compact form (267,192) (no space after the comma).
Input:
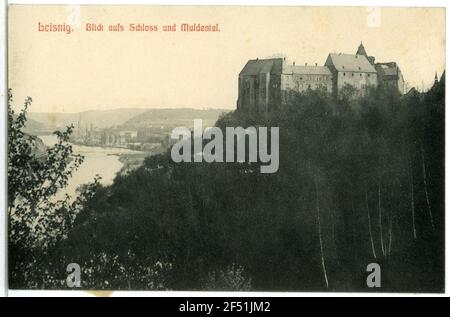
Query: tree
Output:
(37,220)
(184,226)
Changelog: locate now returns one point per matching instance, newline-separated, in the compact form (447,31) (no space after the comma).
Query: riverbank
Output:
(106,162)
(131,161)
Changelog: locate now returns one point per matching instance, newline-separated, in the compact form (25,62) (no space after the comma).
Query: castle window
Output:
(360,75)
(344,74)
(368,75)
(353,74)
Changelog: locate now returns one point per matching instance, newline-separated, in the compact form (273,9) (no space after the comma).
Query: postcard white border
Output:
(3,261)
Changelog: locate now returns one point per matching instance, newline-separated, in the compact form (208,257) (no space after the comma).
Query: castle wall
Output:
(274,100)
(298,83)
(390,78)
(395,84)
(247,94)
(303,82)
(358,80)
(254,92)
(263,92)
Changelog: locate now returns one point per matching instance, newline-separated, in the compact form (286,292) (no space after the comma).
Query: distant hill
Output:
(33,127)
(132,118)
(174,117)
(99,118)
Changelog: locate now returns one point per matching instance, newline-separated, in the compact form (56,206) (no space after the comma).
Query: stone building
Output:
(389,74)
(265,84)
(301,78)
(351,69)
(259,84)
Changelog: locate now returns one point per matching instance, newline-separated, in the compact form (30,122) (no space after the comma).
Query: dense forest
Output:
(360,180)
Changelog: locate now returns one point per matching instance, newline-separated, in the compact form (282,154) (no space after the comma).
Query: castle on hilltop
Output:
(267,83)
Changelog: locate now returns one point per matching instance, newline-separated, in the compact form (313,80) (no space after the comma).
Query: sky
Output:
(84,70)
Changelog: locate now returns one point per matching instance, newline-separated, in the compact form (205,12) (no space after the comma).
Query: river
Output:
(102,161)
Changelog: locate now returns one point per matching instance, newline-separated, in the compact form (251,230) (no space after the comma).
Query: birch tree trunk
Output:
(425,185)
(413,212)
(353,219)
(389,247)
(333,228)
(370,225)
(380,221)
(319,225)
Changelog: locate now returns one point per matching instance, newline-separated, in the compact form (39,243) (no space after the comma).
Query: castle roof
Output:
(262,66)
(350,62)
(306,70)
(361,50)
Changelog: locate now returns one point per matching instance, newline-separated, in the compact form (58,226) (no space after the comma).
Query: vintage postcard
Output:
(226,148)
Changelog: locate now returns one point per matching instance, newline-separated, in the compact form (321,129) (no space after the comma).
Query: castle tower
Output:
(361,50)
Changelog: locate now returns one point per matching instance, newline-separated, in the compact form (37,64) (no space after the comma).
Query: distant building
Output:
(264,84)
(127,136)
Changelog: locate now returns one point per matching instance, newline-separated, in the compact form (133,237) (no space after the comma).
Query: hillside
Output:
(174,117)
(133,118)
(99,118)
(341,199)
(34,127)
